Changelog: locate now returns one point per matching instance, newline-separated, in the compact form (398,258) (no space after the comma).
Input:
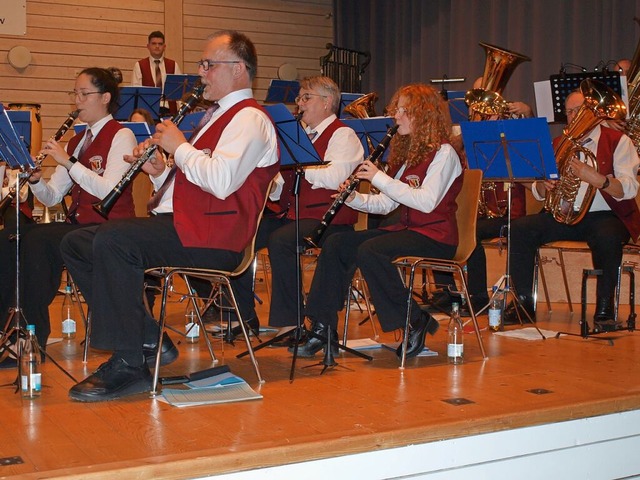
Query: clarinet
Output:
(106,204)
(314,238)
(11,195)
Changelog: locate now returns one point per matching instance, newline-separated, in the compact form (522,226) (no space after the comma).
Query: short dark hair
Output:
(243,47)
(104,81)
(155,34)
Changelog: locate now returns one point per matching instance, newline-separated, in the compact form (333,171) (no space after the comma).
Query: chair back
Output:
(249,251)
(467,213)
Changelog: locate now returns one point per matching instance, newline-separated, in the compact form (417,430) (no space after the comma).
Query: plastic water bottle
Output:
(191,325)
(30,361)
(455,342)
(70,314)
(495,310)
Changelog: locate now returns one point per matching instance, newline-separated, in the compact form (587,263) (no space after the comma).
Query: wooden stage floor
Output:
(357,407)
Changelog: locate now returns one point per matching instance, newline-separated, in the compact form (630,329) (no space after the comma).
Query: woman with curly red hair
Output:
(423,179)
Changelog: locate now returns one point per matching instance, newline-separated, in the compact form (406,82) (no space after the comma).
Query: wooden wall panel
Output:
(65,36)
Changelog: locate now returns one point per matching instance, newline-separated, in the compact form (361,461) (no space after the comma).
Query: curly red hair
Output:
(431,124)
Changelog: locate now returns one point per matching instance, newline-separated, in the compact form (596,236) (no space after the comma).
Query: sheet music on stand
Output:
(138,97)
(177,87)
(190,123)
(518,150)
(346,99)
(12,148)
(21,120)
(563,84)
(295,147)
(282,91)
(458,108)
(371,131)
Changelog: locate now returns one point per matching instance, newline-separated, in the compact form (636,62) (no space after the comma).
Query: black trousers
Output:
(41,266)
(486,229)
(372,251)
(279,235)
(603,231)
(108,263)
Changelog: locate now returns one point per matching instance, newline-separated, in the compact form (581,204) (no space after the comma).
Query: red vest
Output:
(147,76)
(95,158)
(204,221)
(439,224)
(314,202)
(626,210)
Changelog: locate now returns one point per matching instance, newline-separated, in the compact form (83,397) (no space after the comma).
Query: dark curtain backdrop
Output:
(419,40)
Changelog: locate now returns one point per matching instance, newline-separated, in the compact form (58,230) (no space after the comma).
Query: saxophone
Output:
(600,103)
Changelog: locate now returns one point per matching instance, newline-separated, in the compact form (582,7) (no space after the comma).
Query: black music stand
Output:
(565,83)
(138,97)
(282,91)
(511,151)
(14,151)
(297,152)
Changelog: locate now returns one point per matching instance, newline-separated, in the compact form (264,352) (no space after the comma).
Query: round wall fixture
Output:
(19,57)
(287,71)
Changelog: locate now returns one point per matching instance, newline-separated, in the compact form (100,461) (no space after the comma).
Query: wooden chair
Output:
(466,216)
(220,279)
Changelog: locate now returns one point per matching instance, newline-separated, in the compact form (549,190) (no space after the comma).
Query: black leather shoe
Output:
(417,334)
(169,351)
(253,324)
(510,316)
(604,318)
(315,344)
(113,379)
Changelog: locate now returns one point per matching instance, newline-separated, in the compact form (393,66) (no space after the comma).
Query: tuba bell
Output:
(363,107)
(498,66)
(632,127)
(600,103)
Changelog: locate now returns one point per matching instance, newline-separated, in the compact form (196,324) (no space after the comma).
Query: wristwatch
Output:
(605,184)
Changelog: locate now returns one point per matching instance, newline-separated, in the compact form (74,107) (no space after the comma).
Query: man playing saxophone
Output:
(610,220)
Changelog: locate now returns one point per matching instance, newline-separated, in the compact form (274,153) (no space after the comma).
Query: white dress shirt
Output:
(393,192)
(53,191)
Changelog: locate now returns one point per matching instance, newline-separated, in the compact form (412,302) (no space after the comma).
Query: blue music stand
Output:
(295,147)
(176,87)
(21,121)
(138,97)
(458,108)
(282,91)
(371,131)
(190,123)
(512,151)
(346,99)
(518,150)
(12,148)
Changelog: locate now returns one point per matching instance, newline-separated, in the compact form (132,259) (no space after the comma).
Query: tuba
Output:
(600,103)
(363,107)
(632,127)
(487,100)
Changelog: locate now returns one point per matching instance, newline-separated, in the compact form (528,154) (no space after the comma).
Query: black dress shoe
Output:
(604,309)
(417,333)
(510,316)
(253,324)
(315,344)
(113,379)
(169,351)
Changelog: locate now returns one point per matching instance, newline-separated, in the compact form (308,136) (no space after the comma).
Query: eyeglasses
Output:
(206,64)
(304,98)
(572,111)
(81,95)
(397,111)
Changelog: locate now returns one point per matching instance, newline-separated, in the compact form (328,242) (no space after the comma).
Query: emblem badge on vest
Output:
(96,164)
(207,151)
(413,181)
